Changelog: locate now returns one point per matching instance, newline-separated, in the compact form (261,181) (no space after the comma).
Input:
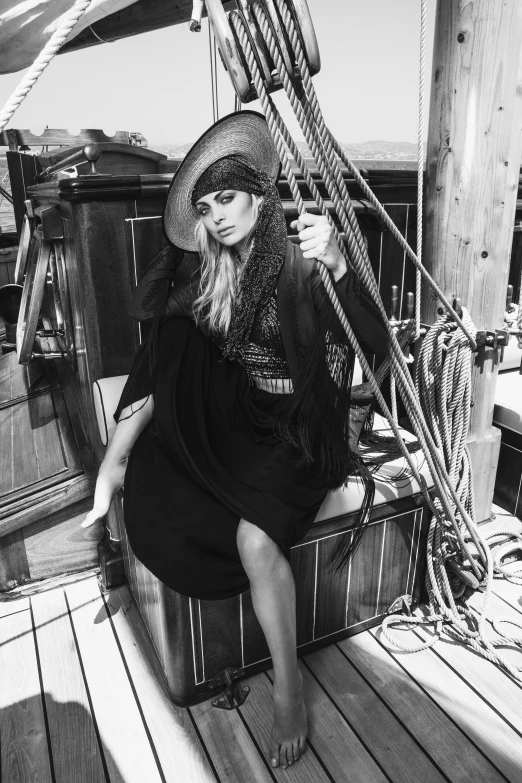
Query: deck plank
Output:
(179,750)
(23,736)
(126,746)
(335,740)
(233,752)
(397,753)
(441,672)
(446,743)
(258,713)
(73,737)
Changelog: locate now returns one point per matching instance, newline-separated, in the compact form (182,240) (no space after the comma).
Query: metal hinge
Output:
(233,695)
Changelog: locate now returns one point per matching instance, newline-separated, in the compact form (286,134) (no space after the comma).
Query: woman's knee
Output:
(255,547)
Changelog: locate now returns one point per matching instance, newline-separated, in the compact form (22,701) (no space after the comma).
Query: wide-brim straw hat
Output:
(243,133)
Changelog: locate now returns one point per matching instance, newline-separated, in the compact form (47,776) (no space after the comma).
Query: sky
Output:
(158,83)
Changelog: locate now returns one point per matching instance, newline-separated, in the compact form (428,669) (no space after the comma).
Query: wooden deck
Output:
(82,700)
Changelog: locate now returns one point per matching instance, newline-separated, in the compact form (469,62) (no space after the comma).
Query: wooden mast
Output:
(473,164)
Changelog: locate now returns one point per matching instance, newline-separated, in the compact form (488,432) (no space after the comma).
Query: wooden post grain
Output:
(473,164)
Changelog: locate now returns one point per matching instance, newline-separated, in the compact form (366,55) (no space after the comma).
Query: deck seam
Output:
(348,723)
(404,727)
(131,683)
(452,721)
(42,694)
(501,598)
(256,744)
(87,691)
(202,743)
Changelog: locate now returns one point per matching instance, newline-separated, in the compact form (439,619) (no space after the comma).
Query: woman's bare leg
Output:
(273,596)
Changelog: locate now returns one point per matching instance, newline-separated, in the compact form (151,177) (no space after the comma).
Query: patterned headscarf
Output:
(267,253)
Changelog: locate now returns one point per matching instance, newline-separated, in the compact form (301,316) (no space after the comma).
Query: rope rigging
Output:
(438,405)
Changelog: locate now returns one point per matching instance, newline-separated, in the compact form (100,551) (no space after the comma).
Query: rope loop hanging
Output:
(260,60)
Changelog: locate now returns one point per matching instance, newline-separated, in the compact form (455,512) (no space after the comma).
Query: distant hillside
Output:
(366,150)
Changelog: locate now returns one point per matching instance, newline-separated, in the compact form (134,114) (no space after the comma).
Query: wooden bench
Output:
(196,641)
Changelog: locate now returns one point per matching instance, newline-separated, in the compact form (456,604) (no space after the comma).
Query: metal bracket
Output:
(492,339)
(232,695)
(401,604)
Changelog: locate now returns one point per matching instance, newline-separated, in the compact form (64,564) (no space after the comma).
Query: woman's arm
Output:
(112,470)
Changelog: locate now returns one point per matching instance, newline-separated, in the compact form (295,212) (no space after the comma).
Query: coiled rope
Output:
(453,533)
(53,45)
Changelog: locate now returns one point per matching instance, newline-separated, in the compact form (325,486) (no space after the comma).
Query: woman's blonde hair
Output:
(221,269)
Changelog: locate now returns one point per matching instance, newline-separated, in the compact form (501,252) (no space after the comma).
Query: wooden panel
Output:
(174,616)
(149,589)
(392,256)
(113,701)
(408,279)
(233,752)
(17,380)
(14,568)
(509,477)
(392,747)
(22,174)
(48,501)
(365,576)
(418,552)
(23,736)
(196,631)
(445,743)
(146,239)
(220,622)
(397,545)
(258,712)
(179,750)
(39,446)
(21,442)
(58,543)
(4,272)
(303,560)
(73,736)
(332,588)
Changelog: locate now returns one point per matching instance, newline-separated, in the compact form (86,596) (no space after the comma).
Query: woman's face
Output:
(227,215)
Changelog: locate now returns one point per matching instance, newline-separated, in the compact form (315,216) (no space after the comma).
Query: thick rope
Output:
(53,45)
(357,253)
(452,532)
(420,167)
(429,450)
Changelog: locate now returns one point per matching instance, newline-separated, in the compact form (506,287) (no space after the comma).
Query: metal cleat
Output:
(401,605)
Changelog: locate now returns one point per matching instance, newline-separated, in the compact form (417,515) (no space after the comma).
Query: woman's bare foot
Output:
(289,732)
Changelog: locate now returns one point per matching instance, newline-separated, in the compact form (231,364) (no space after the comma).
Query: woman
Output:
(234,422)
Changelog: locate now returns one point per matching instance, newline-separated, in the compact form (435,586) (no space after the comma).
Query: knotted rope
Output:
(53,45)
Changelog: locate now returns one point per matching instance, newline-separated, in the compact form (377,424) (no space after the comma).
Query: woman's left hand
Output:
(317,240)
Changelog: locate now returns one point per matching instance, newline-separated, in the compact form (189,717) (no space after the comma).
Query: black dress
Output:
(212,454)
(210,458)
